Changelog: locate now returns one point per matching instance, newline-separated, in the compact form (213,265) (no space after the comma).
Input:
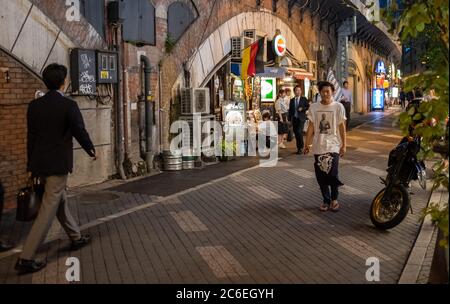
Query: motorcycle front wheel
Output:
(393,212)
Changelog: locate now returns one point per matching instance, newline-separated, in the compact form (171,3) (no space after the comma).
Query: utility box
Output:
(106,67)
(83,71)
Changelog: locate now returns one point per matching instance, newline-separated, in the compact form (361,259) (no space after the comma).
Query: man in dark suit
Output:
(53,120)
(298,107)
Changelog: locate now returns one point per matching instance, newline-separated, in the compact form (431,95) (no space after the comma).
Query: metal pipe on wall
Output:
(149,112)
(118,91)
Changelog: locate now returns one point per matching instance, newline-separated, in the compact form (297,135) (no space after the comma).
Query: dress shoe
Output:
(27,266)
(82,242)
(5,247)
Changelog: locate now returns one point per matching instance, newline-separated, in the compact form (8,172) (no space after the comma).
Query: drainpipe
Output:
(149,113)
(142,130)
(160,110)
(118,92)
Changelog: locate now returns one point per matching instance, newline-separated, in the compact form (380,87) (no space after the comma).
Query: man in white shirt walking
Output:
(347,100)
(326,138)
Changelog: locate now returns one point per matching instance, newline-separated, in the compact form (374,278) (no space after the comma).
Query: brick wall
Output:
(14,98)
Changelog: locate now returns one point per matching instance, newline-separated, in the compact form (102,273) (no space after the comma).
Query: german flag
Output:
(253,59)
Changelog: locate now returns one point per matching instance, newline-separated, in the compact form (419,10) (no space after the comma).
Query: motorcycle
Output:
(391,205)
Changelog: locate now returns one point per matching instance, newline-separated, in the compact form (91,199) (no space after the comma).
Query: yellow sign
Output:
(104,75)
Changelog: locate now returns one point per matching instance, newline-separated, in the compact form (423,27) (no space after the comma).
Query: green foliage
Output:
(439,217)
(426,22)
(169,44)
(229,149)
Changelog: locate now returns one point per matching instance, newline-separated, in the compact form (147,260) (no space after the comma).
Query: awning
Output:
(299,73)
(273,72)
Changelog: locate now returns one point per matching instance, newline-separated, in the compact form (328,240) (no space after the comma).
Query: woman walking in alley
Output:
(281,109)
(326,136)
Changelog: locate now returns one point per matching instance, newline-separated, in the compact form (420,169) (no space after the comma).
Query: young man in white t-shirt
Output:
(326,138)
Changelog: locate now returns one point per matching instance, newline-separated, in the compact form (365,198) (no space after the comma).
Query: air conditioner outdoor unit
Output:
(250,34)
(238,44)
(195,101)
(236,47)
(246,42)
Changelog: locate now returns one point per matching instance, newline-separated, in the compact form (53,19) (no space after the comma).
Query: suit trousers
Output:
(298,126)
(54,203)
(2,200)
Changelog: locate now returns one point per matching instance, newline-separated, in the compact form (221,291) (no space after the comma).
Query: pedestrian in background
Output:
(326,138)
(403,99)
(347,101)
(53,120)
(290,135)
(281,110)
(298,108)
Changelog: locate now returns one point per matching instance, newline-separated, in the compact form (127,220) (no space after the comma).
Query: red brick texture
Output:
(15,96)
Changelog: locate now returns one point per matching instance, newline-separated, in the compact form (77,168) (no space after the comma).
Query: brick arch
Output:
(162,7)
(171,67)
(39,34)
(218,44)
(356,58)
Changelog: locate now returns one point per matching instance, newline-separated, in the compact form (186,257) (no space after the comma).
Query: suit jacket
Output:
(53,120)
(304,103)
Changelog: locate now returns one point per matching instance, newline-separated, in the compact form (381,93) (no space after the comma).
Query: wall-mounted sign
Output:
(380,81)
(83,72)
(378,99)
(268,89)
(380,69)
(279,44)
(234,113)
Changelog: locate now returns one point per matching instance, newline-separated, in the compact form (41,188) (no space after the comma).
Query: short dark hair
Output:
(298,86)
(54,76)
(266,115)
(281,91)
(324,84)
(345,82)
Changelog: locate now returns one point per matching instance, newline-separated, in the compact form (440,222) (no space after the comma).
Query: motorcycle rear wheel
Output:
(387,217)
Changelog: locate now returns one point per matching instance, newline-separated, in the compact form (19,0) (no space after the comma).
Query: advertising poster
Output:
(268,89)
(378,99)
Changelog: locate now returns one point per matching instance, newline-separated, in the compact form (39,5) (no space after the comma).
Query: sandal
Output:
(324,208)
(335,207)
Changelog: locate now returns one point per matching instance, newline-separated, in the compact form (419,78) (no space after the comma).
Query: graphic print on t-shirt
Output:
(325,121)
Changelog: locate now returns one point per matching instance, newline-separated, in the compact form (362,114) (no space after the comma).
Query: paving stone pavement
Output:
(258,225)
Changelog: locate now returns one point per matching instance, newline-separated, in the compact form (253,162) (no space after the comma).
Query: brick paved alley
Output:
(250,225)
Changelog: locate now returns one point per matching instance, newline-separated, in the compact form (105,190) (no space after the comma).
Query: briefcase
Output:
(29,200)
